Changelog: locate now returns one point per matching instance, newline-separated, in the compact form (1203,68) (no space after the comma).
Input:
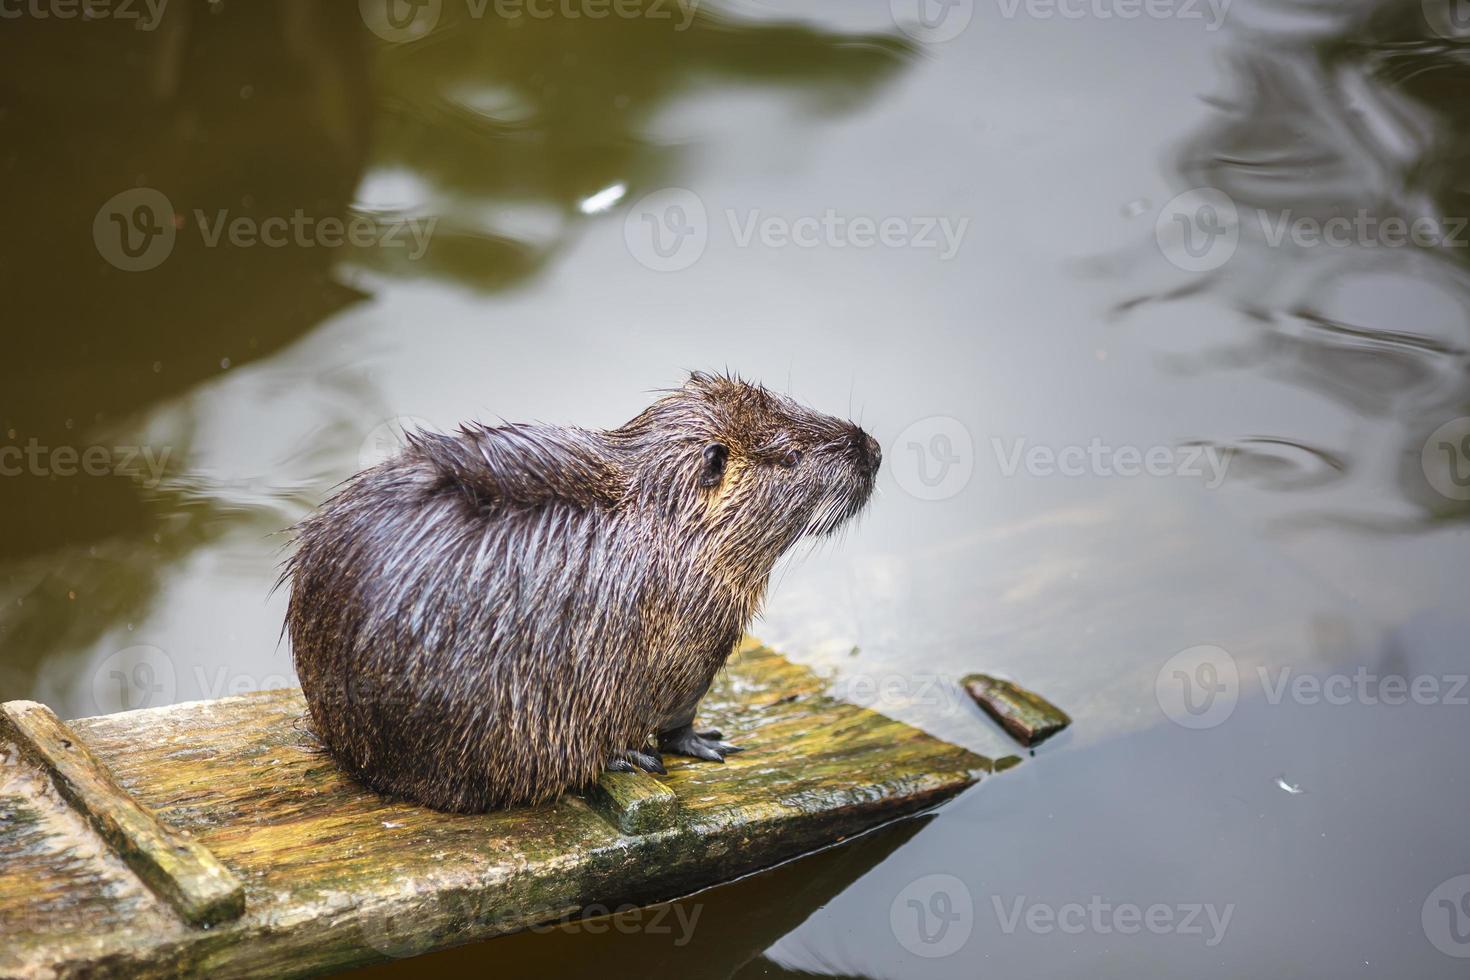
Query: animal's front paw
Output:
(635,759)
(702,745)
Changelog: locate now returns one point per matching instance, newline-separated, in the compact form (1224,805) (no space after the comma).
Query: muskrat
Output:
(493,617)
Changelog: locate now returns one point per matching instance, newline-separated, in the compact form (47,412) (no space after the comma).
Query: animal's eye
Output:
(790,458)
(714,465)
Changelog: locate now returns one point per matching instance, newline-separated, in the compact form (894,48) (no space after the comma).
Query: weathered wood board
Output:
(336,876)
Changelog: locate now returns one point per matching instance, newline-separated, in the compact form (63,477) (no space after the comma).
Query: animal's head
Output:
(750,466)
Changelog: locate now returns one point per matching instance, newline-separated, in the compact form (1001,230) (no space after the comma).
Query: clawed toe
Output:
(635,759)
(706,745)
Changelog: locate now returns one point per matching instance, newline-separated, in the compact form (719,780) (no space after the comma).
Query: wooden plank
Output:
(1030,718)
(175,867)
(634,802)
(336,876)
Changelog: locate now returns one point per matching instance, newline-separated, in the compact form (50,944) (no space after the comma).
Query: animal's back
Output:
(468,655)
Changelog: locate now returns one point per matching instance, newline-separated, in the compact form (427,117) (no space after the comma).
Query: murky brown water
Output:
(1189,465)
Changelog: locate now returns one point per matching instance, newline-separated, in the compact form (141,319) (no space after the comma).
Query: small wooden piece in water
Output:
(1030,718)
(178,869)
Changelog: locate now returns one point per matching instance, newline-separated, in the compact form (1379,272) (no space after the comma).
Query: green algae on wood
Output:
(337,876)
(635,802)
(1029,717)
(177,868)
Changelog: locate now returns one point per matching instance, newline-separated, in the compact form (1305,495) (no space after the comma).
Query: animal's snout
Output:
(865,451)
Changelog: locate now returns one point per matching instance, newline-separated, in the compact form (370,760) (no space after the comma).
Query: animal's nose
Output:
(869,454)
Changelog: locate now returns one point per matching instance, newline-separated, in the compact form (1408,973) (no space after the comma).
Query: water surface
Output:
(605,204)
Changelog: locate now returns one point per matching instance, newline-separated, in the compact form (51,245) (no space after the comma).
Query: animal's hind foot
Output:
(708,745)
(635,759)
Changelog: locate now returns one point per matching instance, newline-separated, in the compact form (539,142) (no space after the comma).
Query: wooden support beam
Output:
(177,868)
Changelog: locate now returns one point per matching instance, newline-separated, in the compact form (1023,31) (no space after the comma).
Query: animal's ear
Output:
(713,470)
(524,464)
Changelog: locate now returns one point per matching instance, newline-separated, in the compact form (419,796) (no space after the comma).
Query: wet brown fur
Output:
(488,618)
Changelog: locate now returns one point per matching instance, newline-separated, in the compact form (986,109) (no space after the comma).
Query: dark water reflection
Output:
(1356,115)
(1087,306)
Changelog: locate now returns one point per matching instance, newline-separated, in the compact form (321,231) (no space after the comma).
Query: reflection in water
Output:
(497,129)
(1320,370)
(263,110)
(1280,464)
(719,932)
(504,128)
(1357,115)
